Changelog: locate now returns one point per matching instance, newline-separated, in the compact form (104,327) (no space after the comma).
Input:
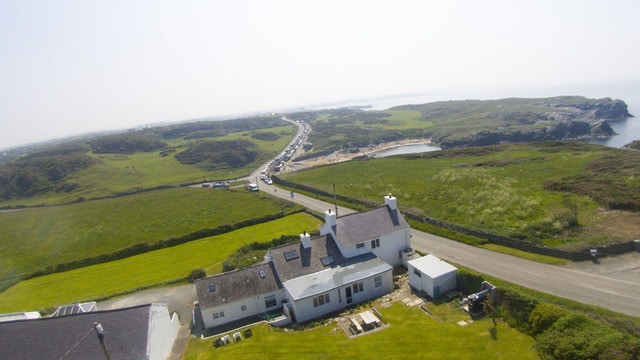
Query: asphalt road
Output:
(617,293)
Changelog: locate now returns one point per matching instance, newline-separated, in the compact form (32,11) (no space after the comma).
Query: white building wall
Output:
(233,311)
(392,246)
(163,330)
(445,282)
(305,311)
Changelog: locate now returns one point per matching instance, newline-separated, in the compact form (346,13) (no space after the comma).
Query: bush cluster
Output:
(559,333)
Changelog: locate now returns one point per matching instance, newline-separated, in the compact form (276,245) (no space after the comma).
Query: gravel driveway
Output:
(178,298)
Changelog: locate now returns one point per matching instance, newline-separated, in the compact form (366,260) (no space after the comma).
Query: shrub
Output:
(516,307)
(469,281)
(196,274)
(575,337)
(544,316)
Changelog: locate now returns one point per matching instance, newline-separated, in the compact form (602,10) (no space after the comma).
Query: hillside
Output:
(466,123)
(129,162)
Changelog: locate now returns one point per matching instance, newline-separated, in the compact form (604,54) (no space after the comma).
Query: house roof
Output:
(359,227)
(27,315)
(357,268)
(74,337)
(432,266)
(236,285)
(293,260)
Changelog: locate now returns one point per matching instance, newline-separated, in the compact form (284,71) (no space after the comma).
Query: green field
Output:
(146,270)
(503,189)
(412,334)
(34,239)
(126,173)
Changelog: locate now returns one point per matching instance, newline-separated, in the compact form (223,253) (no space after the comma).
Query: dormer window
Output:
(262,274)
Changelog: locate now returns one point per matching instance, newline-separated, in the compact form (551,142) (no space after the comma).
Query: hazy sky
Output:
(68,67)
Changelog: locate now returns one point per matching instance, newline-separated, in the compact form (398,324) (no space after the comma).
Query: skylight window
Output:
(212,287)
(262,274)
(327,260)
(290,255)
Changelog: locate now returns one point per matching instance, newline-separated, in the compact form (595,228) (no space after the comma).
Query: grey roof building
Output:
(141,332)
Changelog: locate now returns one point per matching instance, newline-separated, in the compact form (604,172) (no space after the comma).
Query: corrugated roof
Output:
(359,227)
(236,285)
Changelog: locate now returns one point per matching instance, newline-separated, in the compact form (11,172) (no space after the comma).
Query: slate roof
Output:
(236,285)
(74,337)
(308,260)
(359,227)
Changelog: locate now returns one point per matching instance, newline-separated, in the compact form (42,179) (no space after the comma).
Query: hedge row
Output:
(141,248)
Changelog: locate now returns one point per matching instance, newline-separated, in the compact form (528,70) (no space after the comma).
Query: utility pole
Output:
(100,333)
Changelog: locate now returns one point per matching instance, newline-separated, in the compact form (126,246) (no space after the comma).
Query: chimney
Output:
(305,240)
(390,201)
(330,217)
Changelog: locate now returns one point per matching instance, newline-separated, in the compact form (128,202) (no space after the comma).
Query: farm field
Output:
(33,239)
(145,270)
(569,195)
(412,334)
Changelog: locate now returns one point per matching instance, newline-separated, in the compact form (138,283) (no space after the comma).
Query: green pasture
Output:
(146,270)
(412,334)
(33,239)
(495,189)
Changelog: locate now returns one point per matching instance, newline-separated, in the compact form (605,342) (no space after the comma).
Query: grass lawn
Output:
(33,239)
(412,334)
(146,270)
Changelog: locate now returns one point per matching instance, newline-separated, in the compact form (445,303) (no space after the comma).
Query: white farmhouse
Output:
(349,263)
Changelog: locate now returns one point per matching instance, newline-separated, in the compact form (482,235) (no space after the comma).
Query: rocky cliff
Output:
(564,121)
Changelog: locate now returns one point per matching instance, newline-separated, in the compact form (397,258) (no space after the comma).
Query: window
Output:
(243,307)
(290,255)
(270,301)
(218,314)
(415,271)
(359,246)
(212,287)
(377,281)
(327,260)
(320,300)
(375,243)
(358,287)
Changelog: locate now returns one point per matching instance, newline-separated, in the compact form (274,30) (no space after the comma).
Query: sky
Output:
(74,66)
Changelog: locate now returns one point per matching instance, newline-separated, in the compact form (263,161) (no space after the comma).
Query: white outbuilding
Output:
(432,275)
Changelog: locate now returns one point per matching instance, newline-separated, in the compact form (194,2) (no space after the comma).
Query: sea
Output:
(627,130)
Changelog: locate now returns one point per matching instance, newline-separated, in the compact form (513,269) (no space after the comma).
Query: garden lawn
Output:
(146,270)
(412,334)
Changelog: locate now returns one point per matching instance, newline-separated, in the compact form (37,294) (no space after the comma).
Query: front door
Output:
(347,291)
